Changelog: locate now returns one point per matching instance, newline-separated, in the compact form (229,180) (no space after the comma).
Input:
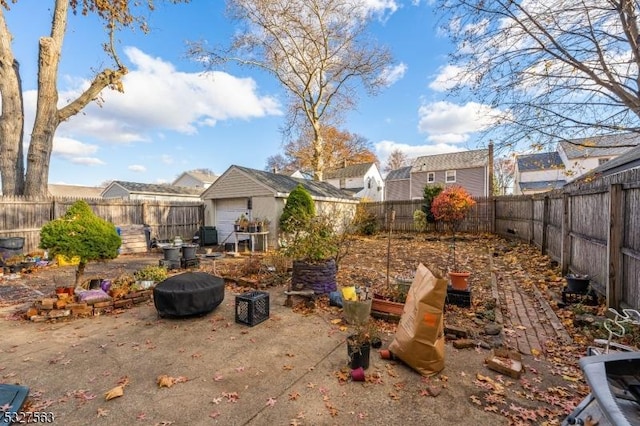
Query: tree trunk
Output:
(47,118)
(11,118)
(318,154)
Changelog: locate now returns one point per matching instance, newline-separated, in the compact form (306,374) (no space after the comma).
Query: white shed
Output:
(262,195)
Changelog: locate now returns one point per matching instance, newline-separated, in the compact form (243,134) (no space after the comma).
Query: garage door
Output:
(227,211)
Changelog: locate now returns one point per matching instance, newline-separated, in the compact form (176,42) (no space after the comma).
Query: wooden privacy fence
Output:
(24,217)
(478,220)
(590,228)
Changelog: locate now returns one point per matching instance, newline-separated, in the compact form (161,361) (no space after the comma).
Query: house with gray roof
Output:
(362,180)
(258,194)
(582,155)
(195,179)
(468,169)
(397,184)
(627,161)
(540,172)
(149,191)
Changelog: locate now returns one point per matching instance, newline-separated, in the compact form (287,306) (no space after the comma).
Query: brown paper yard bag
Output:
(419,339)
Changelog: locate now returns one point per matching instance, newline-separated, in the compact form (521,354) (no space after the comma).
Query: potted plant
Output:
(359,344)
(311,241)
(451,206)
(150,275)
(82,234)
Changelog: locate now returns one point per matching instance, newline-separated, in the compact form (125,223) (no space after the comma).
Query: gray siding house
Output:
(397,184)
(262,195)
(468,169)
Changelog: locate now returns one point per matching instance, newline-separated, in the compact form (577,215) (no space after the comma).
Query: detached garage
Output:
(262,195)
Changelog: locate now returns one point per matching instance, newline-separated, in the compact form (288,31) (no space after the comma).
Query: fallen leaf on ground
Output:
(114,392)
(271,402)
(102,412)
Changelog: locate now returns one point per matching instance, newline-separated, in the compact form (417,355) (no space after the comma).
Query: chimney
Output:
(490,168)
(275,170)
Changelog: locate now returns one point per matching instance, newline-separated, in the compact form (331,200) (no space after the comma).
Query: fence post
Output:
(531,219)
(545,223)
(493,202)
(566,237)
(615,238)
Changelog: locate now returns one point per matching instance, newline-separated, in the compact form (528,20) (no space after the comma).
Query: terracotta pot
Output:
(387,306)
(459,280)
(61,290)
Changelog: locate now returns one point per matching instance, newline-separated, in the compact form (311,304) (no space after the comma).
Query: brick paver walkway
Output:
(529,322)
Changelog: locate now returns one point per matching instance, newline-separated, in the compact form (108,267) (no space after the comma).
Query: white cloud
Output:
(157,97)
(75,151)
(391,75)
(382,8)
(384,148)
(448,77)
(446,122)
(166,159)
(137,168)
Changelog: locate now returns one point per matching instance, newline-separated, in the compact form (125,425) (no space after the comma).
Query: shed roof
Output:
(599,146)
(452,161)
(152,188)
(399,174)
(350,171)
(539,161)
(74,191)
(285,184)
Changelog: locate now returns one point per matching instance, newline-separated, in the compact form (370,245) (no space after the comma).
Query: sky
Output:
(174,117)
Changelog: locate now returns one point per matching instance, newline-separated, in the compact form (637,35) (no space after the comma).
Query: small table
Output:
(252,235)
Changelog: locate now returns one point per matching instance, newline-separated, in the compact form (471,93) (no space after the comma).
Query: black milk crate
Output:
(459,297)
(252,307)
(189,263)
(588,297)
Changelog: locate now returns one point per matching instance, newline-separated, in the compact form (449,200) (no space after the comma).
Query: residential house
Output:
(397,184)
(627,161)
(468,169)
(258,194)
(582,155)
(362,180)
(538,172)
(74,191)
(195,179)
(150,191)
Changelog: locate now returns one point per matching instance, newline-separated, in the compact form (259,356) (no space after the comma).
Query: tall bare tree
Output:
(558,69)
(317,49)
(396,160)
(115,15)
(504,172)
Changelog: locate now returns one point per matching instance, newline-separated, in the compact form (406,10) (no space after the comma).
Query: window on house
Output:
(450,176)
(431,177)
(601,161)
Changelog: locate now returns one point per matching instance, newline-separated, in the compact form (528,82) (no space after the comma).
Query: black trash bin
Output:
(208,236)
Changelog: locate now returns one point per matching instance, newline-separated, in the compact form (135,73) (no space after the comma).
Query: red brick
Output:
(124,303)
(103,304)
